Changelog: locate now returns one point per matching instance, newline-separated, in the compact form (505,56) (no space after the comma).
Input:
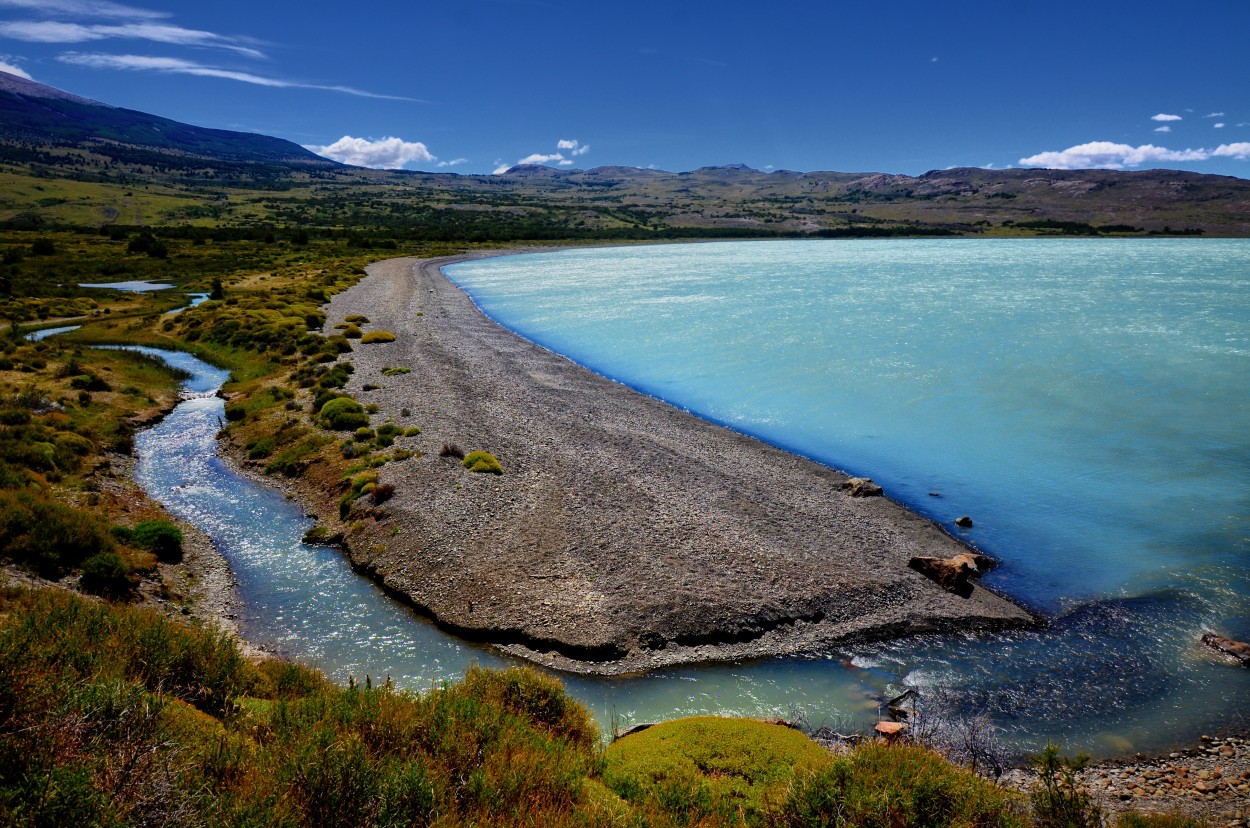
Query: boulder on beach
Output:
(860,487)
(953,574)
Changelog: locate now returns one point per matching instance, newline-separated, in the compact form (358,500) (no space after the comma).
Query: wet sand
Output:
(625,534)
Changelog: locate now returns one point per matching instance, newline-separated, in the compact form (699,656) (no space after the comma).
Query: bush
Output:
(381,493)
(395,371)
(356,318)
(343,414)
(352,332)
(106,573)
(47,536)
(1059,801)
(160,537)
(374,337)
(901,786)
(482,462)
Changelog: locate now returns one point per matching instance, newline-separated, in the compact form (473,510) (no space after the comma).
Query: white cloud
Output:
(384,154)
(1163,129)
(1110,156)
(1219,126)
(178,66)
(572,145)
(12,69)
(53,31)
(539,158)
(1214,115)
(1240,151)
(84,8)
(455,162)
(1163,116)
(569,145)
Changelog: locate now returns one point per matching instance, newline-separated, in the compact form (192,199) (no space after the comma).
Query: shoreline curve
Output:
(626,534)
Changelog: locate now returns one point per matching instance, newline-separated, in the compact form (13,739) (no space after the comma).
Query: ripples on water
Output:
(1083,400)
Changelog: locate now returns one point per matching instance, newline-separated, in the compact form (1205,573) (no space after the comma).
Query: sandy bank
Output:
(625,534)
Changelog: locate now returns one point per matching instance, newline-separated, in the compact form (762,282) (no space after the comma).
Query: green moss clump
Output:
(160,537)
(374,337)
(357,318)
(343,414)
(351,332)
(482,462)
(395,371)
(714,765)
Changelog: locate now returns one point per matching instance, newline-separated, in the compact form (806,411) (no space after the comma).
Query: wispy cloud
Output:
(1218,126)
(89,21)
(572,146)
(1111,156)
(1163,129)
(1163,116)
(7,65)
(383,154)
(455,162)
(84,8)
(1214,115)
(55,31)
(179,66)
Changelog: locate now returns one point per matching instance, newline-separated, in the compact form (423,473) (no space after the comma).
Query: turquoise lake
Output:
(1084,401)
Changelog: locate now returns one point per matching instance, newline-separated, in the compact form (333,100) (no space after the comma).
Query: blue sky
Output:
(481,84)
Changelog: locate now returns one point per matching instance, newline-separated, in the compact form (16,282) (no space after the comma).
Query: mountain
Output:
(88,157)
(33,113)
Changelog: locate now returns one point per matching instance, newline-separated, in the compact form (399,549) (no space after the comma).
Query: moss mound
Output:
(482,462)
(374,337)
(715,766)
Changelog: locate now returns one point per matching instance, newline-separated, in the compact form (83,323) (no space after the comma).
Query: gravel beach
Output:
(624,534)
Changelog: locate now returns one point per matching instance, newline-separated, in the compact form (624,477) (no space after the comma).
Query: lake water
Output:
(1083,401)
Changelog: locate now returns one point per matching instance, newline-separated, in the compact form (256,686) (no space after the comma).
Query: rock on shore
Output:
(624,534)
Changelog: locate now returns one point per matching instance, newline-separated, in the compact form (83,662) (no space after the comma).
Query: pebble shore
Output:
(624,534)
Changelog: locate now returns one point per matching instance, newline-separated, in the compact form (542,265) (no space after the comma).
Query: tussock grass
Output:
(481,462)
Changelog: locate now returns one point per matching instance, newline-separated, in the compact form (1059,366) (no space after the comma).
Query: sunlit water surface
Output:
(1084,401)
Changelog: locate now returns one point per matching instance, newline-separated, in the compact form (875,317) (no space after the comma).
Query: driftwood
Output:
(1237,649)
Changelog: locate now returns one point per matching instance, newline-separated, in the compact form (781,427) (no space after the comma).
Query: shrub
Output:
(343,414)
(374,337)
(352,332)
(381,493)
(482,462)
(235,413)
(160,537)
(357,318)
(44,534)
(1059,801)
(106,573)
(395,371)
(451,450)
(364,434)
(902,786)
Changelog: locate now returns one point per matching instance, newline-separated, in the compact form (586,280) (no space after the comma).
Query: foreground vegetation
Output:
(113,715)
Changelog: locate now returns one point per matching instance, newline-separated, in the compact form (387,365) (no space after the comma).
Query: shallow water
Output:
(1117,671)
(132,286)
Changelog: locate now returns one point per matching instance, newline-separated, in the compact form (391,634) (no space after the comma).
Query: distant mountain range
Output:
(201,175)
